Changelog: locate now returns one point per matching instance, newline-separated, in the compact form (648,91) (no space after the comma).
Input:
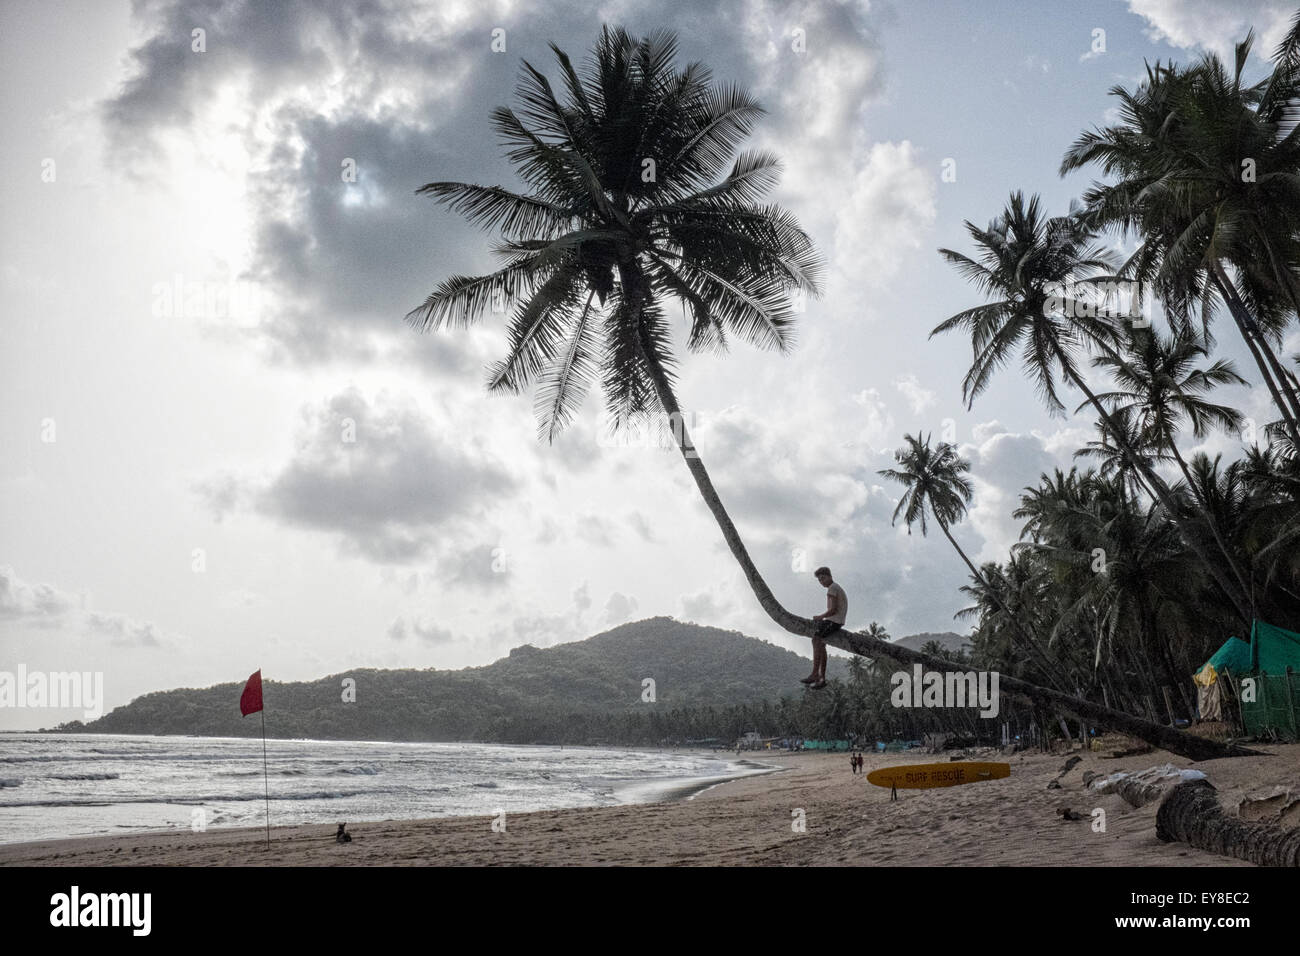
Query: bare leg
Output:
(813,677)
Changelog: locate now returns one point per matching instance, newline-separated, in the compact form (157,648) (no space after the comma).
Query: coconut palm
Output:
(639,196)
(1157,382)
(935,484)
(1130,572)
(1262,523)
(1010,603)
(1159,385)
(875,631)
(1116,459)
(1038,272)
(1206,171)
(1038,505)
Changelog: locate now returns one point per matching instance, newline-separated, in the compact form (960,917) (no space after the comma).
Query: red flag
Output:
(250,701)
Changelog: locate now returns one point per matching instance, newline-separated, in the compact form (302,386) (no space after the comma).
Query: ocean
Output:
(74,785)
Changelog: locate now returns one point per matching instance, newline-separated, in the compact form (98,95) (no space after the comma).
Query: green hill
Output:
(692,666)
(578,692)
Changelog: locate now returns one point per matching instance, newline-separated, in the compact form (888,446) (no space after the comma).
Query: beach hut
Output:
(1264,675)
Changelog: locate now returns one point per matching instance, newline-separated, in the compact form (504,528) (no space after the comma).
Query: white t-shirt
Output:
(841,606)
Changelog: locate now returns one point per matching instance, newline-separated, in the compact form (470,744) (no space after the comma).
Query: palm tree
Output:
(639,196)
(1159,384)
(1144,579)
(1261,519)
(1117,459)
(1157,381)
(877,632)
(1031,266)
(1206,173)
(1008,601)
(935,483)
(1038,505)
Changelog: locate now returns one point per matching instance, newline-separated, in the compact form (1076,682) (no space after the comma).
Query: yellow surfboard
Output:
(922,776)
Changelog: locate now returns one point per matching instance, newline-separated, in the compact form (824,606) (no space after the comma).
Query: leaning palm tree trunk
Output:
(1270,368)
(1167,738)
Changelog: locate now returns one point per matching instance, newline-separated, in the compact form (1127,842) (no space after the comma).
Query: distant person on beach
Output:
(853,762)
(828,622)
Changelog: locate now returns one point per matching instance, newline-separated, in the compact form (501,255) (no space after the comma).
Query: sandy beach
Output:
(1015,821)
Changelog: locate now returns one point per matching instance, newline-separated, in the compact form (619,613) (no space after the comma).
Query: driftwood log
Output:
(1192,814)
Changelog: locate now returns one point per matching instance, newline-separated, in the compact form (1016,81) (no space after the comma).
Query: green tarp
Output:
(1234,655)
(1273,650)
(1273,712)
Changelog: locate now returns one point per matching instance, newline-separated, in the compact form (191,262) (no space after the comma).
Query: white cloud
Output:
(883,214)
(421,629)
(50,608)
(876,426)
(1002,464)
(37,603)
(1214,25)
(620,608)
(919,397)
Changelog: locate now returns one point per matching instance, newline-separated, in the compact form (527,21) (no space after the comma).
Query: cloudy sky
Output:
(223,449)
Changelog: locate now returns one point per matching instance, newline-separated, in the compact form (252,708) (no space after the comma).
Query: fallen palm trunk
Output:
(1167,738)
(1139,789)
(1192,814)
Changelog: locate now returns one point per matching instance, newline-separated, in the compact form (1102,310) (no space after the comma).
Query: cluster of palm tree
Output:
(639,195)
(1130,573)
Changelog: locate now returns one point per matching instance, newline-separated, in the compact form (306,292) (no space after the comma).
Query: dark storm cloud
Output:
(350,259)
(289,42)
(358,255)
(380,477)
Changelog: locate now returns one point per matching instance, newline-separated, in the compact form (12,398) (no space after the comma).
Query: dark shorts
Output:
(827,628)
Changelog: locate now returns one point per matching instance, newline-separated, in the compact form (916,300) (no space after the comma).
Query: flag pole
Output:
(266,781)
